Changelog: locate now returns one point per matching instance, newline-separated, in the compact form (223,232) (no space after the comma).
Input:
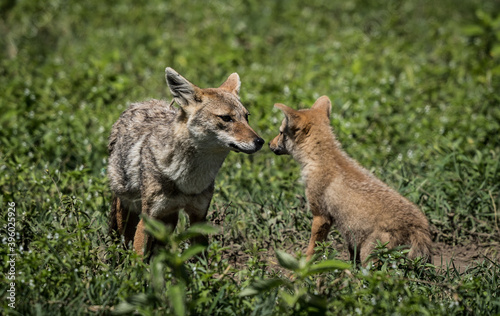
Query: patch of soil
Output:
(463,256)
(459,257)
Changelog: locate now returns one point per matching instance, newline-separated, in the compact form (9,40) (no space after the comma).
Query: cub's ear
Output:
(291,115)
(232,84)
(285,109)
(183,91)
(324,105)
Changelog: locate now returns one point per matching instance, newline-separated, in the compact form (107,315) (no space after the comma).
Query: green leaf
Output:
(215,301)
(496,71)
(191,252)
(260,286)
(327,266)
(157,274)
(289,299)
(287,261)
(157,229)
(248,291)
(496,22)
(472,30)
(124,308)
(204,228)
(131,305)
(315,302)
(196,230)
(495,51)
(484,17)
(177,293)
(140,299)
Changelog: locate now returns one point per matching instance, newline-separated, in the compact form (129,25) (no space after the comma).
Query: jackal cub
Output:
(340,191)
(164,158)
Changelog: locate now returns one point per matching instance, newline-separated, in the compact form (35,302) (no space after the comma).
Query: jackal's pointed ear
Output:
(324,105)
(183,91)
(232,84)
(290,114)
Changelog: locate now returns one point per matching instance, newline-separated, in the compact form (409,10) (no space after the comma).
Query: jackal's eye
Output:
(226,118)
(246,116)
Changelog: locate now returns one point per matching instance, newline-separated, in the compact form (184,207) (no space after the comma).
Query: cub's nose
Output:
(259,142)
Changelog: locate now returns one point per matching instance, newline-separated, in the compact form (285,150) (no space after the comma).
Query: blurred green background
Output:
(414,86)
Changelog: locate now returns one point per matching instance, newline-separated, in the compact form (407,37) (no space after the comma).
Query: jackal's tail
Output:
(421,245)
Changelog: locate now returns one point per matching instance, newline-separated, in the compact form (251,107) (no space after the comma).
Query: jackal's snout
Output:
(248,147)
(259,142)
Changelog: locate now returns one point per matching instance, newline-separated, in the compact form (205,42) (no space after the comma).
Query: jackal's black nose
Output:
(259,142)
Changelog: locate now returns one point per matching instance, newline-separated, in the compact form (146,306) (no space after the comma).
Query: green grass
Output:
(414,86)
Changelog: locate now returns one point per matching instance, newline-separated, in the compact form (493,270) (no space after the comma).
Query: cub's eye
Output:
(226,118)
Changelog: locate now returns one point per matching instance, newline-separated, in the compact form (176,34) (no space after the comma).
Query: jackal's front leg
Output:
(198,215)
(319,231)
(142,240)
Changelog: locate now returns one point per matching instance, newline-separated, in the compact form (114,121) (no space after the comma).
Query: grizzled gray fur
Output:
(165,158)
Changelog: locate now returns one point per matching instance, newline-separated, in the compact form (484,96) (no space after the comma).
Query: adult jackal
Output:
(165,158)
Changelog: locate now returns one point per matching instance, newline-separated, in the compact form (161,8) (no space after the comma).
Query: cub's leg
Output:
(319,231)
(368,245)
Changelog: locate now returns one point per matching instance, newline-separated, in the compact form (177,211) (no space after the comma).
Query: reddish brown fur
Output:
(340,191)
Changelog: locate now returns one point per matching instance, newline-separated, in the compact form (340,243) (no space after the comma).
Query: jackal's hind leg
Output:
(126,222)
(122,221)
